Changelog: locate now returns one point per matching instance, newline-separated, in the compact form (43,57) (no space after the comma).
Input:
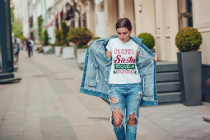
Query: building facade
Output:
(18,12)
(161,18)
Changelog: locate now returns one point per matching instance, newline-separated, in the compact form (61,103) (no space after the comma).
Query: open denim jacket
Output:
(95,80)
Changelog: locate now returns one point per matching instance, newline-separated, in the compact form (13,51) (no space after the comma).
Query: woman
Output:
(129,71)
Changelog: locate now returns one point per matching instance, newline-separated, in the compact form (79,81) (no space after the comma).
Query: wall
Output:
(100,21)
(26,32)
(201,20)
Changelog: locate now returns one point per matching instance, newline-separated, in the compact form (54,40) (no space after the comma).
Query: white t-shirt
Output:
(123,69)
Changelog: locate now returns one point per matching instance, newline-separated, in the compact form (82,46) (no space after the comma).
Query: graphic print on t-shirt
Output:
(124,63)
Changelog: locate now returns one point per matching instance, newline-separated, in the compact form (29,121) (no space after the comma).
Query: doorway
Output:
(185,13)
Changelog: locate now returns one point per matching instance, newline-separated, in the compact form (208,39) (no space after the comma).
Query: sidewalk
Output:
(47,105)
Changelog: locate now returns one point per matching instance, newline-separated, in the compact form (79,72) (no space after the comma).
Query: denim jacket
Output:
(95,80)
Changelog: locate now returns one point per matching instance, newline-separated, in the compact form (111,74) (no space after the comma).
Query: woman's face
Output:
(124,34)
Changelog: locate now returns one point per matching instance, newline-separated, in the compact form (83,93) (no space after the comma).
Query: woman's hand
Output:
(89,43)
(156,58)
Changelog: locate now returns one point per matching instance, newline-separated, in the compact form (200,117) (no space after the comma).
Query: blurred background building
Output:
(161,18)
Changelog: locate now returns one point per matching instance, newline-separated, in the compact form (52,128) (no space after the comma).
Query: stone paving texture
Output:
(46,105)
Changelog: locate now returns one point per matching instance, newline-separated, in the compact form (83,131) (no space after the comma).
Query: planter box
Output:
(189,65)
(58,50)
(68,52)
(205,87)
(81,55)
(46,48)
(152,50)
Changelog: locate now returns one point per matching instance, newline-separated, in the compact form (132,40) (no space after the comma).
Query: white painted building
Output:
(18,12)
(161,18)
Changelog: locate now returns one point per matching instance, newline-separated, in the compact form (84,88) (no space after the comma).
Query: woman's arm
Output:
(109,54)
(156,58)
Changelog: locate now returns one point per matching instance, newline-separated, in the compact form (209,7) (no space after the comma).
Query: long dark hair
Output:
(123,22)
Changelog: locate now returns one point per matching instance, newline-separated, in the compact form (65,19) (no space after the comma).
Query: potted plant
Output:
(46,44)
(67,50)
(188,41)
(80,36)
(148,40)
(58,42)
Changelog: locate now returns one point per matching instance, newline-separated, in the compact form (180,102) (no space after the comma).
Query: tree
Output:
(65,30)
(58,39)
(17,28)
(46,38)
(12,14)
(40,21)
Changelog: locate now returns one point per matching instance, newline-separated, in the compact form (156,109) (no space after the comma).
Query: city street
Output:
(46,105)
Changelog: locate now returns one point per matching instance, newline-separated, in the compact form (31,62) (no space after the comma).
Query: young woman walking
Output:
(121,69)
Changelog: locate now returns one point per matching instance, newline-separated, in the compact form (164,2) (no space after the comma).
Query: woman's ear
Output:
(131,30)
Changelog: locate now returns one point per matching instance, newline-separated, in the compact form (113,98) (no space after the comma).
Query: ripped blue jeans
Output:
(125,97)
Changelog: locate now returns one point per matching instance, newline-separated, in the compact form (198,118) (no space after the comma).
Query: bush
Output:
(96,38)
(188,39)
(40,21)
(148,40)
(65,30)
(58,40)
(79,36)
(46,38)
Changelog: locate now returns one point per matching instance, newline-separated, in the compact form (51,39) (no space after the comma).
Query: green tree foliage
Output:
(40,21)
(58,39)
(148,40)
(188,39)
(17,28)
(65,30)
(46,38)
(79,36)
(12,14)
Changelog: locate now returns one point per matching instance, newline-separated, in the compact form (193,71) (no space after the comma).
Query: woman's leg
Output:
(117,102)
(132,110)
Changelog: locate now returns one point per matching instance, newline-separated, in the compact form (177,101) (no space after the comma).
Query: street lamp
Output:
(50,11)
(140,8)
(68,6)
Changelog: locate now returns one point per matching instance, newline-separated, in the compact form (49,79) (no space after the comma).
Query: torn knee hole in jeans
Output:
(113,100)
(117,116)
(132,119)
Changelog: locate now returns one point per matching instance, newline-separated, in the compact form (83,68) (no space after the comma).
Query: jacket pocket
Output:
(147,84)
(91,75)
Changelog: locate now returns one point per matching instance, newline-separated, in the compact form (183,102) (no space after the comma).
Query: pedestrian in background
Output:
(121,69)
(32,46)
(16,50)
(28,47)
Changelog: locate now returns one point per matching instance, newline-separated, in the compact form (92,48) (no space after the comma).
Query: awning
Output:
(51,23)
